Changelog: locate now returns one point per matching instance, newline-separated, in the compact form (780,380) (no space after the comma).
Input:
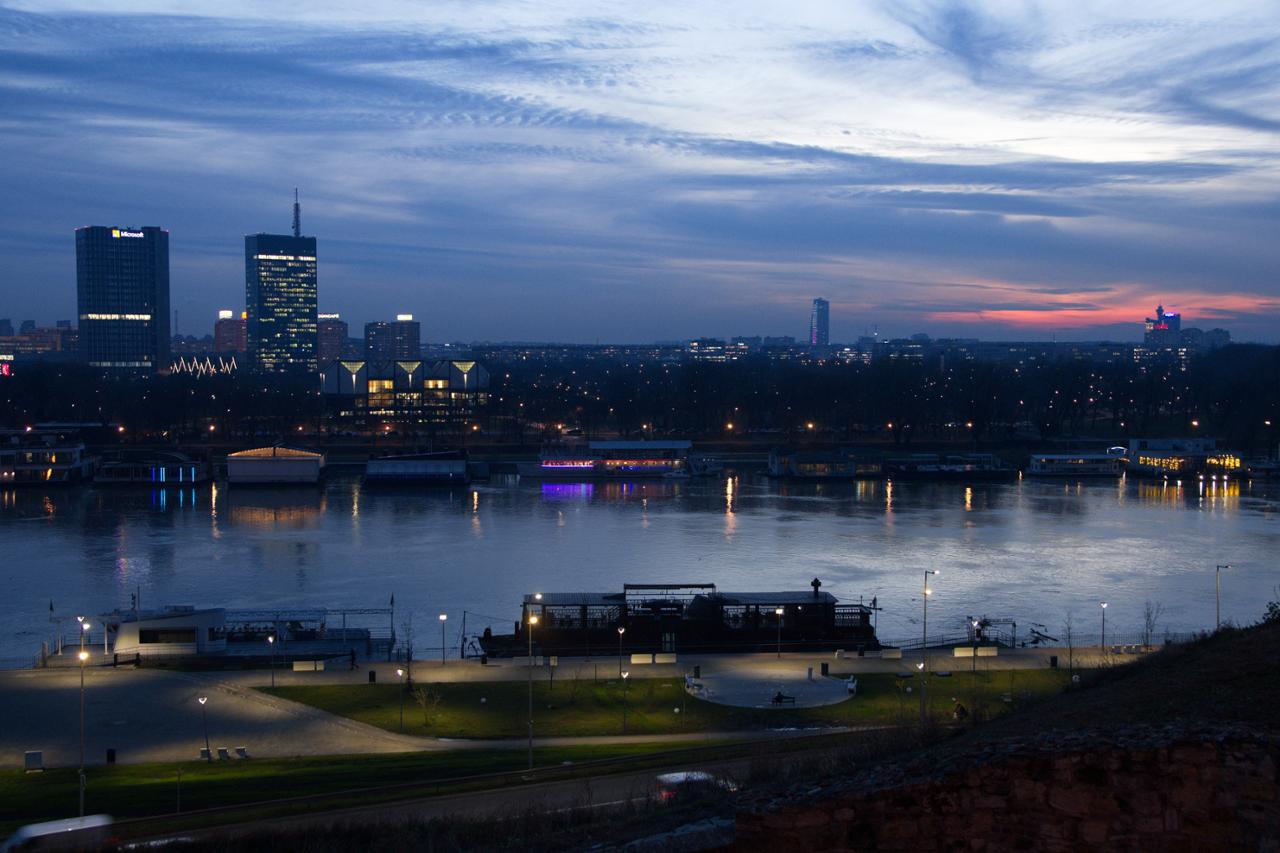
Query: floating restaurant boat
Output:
(674,618)
(954,467)
(42,457)
(1076,465)
(149,468)
(277,465)
(610,460)
(444,468)
(838,464)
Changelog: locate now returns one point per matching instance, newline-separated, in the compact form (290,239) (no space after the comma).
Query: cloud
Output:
(667,172)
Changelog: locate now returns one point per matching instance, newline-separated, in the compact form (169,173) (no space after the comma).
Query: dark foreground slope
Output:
(1180,751)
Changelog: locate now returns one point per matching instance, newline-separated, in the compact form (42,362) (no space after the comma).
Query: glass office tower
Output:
(280,295)
(122,292)
(820,324)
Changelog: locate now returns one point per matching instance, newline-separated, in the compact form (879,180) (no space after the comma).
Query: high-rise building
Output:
(332,338)
(122,292)
(280,295)
(230,332)
(27,326)
(820,324)
(385,341)
(6,327)
(1163,330)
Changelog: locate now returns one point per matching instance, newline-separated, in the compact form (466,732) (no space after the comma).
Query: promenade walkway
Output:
(152,715)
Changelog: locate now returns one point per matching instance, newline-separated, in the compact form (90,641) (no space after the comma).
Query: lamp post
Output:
(400,675)
(976,623)
(533,620)
(204,719)
(621,630)
(778,612)
(924,640)
(625,681)
(1103,605)
(271,643)
(444,617)
(1217,606)
(83,656)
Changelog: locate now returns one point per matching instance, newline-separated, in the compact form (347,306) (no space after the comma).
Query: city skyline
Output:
(940,169)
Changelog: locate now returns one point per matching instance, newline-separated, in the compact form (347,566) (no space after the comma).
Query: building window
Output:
(167,635)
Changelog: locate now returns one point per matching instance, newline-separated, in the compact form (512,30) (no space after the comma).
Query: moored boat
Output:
(443,468)
(610,460)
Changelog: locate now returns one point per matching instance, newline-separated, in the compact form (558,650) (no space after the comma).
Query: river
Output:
(1030,551)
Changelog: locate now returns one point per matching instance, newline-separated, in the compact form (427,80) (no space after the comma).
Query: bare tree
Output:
(428,699)
(1151,614)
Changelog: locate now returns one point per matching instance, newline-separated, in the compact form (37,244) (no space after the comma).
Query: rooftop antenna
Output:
(297,214)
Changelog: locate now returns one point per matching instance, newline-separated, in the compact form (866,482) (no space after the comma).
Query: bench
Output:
(779,699)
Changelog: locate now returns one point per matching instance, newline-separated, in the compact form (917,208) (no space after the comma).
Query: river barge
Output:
(441,468)
(612,460)
(684,618)
(152,469)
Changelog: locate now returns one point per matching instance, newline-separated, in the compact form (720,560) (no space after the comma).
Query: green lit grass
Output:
(589,708)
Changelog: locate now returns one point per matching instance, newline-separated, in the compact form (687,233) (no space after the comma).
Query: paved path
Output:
(152,715)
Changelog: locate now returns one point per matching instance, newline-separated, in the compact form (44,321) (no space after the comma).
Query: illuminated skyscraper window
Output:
(280,296)
(122,291)
(820,324)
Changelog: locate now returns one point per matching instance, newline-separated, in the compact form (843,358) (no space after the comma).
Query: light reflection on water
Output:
(1030,550)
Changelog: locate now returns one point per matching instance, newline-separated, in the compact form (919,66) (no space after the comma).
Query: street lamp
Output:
(924,640)
(533,620)
(400,675)
(924,637)
(976,623)
(625,681)
(271,642)
(1103,605)
(1217,608)
(621,630)
(83,656)
(778,612)
(204,719)
(443,618)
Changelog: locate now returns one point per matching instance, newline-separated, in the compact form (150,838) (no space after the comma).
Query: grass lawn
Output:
(577,708)
(141,790)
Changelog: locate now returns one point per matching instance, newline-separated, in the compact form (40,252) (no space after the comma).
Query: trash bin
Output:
(826,668)
(484,660)
(697,671)
(373,676)
(111,756)
(862,650)
(1053,661)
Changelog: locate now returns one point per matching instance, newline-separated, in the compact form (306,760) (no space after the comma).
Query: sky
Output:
(631,172)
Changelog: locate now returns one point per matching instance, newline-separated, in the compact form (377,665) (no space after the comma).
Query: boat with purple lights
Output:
(596,460)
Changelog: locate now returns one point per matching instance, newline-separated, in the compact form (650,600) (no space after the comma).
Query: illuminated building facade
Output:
(331,338)
(820,324)
(385,341)
(230,332)
(442,393)
(122,294)
(280,295)
(1163,329)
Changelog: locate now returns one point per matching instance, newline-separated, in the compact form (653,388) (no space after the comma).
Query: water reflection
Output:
(269,508)
(1030,549)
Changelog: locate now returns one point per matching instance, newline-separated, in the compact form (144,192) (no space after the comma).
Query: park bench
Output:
(780,699)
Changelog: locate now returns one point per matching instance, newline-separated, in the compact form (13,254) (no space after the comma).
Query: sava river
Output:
(1031,551)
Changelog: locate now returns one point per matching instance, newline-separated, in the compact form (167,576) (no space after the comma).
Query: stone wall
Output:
(1140,789)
